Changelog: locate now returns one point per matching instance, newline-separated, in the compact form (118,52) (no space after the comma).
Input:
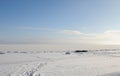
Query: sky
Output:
(60,22)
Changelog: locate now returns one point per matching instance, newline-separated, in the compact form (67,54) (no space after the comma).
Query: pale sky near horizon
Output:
(60,22)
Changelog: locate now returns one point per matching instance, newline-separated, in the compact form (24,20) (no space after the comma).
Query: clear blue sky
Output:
(28,21)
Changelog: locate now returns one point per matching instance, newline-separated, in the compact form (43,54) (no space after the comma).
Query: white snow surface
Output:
(91,63)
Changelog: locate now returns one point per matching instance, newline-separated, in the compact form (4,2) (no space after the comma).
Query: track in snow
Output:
(29,69)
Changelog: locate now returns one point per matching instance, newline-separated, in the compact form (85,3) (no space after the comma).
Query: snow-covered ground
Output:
(91,63)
